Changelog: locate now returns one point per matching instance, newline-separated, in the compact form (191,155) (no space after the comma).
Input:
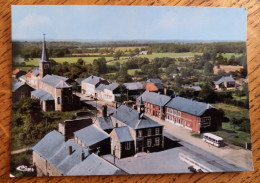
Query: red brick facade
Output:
(153,110)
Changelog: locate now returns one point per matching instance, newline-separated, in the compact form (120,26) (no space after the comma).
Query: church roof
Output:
(42,95)
(55,81)
(35,72)
(44,56)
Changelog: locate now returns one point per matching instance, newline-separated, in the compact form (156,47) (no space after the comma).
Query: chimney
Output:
(104,111)
(165,91)
(92,76)
(70,150)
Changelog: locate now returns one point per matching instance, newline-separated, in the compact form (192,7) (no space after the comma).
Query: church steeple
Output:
(44,56)
(44,63)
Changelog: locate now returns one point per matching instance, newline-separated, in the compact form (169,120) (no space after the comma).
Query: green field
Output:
(34,61)
(233,111)
(228,55)
(230,133)
(132,71)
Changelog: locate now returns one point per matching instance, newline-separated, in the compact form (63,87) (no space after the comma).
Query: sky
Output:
(113,23)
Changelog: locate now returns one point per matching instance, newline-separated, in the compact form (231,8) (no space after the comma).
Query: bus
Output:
(213,139)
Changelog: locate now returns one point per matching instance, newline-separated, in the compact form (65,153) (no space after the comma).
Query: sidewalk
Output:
(232,154)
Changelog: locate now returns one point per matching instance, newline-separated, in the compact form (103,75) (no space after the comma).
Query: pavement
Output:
(231,153)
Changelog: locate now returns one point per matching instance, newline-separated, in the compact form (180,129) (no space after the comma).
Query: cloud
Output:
(34,21)
(168,21)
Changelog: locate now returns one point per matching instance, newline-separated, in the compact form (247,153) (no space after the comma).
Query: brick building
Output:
(154,103)
(192,115)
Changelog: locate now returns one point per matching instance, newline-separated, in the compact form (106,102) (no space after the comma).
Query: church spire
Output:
(44,56)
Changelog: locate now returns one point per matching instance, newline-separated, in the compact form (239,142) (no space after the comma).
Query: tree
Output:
(118,54)
(207,94)
(208,68)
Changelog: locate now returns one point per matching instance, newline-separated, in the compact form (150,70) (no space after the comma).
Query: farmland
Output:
(229,55)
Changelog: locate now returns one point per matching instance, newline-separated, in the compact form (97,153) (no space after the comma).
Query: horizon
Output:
(127,23)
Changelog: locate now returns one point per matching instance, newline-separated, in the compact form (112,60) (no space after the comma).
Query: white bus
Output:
(213,139)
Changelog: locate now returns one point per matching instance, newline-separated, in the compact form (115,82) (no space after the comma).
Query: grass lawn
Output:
(233,111)
(228,55)
(132,71)
(161,55)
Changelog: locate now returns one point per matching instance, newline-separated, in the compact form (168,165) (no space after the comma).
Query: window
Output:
(157,131)
(174,120)
(140,133)
(149,132)
(58,100)
(127,145)
(157,141)
(174,112)
(149,142)
(179,113)
(46,66)
(179,121)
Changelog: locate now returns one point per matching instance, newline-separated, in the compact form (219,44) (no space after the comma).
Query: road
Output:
(230,153)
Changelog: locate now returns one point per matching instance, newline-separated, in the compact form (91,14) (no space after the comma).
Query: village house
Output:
(154,80)
(94,139)
(145,132)
(133,90)
(195,89)
(144,52)
(153,87)
(18,73)
(109,92)
(122,143)
(89,85)
(154,103)
(192,115)
(20,90)
(52,156)
(225,82)
(68,127)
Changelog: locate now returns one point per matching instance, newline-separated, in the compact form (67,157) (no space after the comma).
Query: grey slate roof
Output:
(224,79)
(42,95)
(130,117)
(63,161)
(189,106)
(134,86)
(91,135)
(93,80)
(154,98)
(111,86)
(123,134)
(101,87)
(159,86)
(35,72)
(55,81)
(154,80)
(17,85)
(194,88)
(44,57)
(105,123)
(95,165)
(49,144)
(78,80)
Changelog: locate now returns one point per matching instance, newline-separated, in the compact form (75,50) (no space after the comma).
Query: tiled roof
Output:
(55,81)
(134,86)
(91,135)
(105,123)
(224,79)
(29,74)
(123,134)
(42,95)
(152,86)
(130,117)
(64,161)
(49,144)
(194,88)
(15,71)
(95,165)
(93,80)
(189,106)
(16,85)
(154,98)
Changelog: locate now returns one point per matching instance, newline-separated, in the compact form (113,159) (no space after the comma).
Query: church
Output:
(53,91)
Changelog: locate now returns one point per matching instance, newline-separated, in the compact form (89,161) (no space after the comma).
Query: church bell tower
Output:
(44,64)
